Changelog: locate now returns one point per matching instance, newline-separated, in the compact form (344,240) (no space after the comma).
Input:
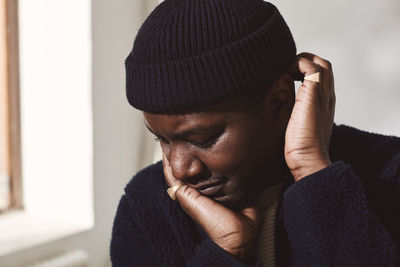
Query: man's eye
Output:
(210,142)
(160,139)
(207,144)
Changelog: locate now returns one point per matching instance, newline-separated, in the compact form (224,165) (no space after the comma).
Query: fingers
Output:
(303,67)
(328,83)
(316,59)
(309,91)
(307,64)
(169,178)
(208,213)
(326,68)
(300,68)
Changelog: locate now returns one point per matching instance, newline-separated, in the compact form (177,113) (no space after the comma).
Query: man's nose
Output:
(184,164)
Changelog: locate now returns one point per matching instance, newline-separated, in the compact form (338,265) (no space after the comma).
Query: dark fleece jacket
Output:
(347,214)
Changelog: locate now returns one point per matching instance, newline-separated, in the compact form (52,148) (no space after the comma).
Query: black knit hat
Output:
(193,53)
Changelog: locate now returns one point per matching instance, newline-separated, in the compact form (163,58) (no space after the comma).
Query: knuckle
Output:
(328,64)
(196,196)
(190,193)
(314,67)
(317,68)
(185,190)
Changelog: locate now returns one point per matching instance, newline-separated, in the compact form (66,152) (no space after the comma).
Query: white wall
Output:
(117,129)
(362,40)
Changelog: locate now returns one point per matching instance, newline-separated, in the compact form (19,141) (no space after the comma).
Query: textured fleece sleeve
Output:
(136,240)
(329,222)
(209,254)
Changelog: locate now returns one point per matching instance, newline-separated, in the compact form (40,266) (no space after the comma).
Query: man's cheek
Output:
(232,162)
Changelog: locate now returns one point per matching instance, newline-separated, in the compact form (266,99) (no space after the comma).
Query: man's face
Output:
(228,152)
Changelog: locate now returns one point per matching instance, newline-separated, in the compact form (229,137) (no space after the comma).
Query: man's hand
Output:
(234,232)
(309,129)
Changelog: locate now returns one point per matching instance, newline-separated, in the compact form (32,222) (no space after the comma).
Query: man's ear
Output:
(280,99)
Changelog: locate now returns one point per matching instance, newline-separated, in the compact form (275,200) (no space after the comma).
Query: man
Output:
(252,174)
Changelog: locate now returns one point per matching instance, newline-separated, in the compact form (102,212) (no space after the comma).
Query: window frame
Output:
(10,53)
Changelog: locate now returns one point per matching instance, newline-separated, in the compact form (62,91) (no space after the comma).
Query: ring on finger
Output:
(315,77)
(172,190)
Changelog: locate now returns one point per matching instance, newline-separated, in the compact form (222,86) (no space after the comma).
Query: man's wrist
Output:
(245,255)
(301,172)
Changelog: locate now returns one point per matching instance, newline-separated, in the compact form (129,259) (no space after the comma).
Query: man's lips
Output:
(211,188)
(213,191)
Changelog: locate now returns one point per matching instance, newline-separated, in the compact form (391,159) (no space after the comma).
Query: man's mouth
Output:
(211,188)
(212,191)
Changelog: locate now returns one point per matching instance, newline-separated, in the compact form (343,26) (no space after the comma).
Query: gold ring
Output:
(172,190)
(313,77)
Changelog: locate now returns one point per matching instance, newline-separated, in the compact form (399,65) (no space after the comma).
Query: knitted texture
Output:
(190,54)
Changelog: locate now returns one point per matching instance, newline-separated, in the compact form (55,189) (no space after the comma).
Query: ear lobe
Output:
(281,98)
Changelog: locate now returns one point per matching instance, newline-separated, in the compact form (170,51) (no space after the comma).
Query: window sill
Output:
(21,230)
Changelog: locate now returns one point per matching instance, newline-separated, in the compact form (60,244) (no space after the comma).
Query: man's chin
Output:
(234,204)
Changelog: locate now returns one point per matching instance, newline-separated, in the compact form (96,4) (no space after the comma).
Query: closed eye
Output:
(206,144)
(209,143)
(160,139)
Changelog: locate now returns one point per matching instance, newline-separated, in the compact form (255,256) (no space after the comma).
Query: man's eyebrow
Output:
(184,134)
